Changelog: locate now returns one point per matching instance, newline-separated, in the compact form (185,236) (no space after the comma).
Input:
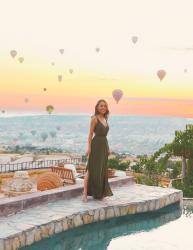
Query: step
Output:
(45,220)
(14,205)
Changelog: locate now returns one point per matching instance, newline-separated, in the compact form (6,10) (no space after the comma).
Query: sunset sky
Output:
(38,29)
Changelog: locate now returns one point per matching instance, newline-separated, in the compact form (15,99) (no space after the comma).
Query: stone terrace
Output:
(34,224)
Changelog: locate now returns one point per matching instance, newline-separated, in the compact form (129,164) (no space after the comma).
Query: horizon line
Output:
(20,114)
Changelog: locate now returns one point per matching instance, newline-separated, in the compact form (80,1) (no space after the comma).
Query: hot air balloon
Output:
(20,59)
(59,78)
(52,63)
(161,74)
(117,94)
(97,50)
(44,136)
(13,53)
(50,109)
(21,135)
(26,100)
(53,134)
(44,89)
(61,51)
(71,71)
(58,127)
(134,39)
(33,132)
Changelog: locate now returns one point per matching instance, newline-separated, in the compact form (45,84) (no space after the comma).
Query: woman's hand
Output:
(88,151)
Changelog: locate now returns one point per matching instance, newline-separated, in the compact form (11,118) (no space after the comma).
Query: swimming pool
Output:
(168,228)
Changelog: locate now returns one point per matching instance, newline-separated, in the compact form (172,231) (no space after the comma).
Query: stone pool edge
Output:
(36,233)
(188,202)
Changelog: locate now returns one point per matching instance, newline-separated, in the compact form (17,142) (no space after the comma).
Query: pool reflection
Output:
(98,235)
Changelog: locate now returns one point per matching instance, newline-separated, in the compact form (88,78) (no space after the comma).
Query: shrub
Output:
(123,165)
(176,169)
(150,180)
(116,164)
(113,163)
(186,185)
(137,168)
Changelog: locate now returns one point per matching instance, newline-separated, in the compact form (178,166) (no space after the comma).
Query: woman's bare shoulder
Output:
(94,118)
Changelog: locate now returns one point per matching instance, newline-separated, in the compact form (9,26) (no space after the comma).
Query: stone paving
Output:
(42,221)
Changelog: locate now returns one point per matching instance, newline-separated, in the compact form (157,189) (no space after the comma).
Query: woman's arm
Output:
(93,123)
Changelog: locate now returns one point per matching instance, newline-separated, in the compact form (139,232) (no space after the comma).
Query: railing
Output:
(39,164)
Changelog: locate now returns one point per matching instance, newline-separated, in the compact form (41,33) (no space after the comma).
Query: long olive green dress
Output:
(97,167)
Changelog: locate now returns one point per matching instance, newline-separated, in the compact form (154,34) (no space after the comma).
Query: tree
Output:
(181,146)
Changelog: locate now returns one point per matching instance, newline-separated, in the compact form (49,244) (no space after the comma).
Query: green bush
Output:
(116,164)
(186,185)
(113,163)
(137,168)
(150,180)
(176,169)
(123,165)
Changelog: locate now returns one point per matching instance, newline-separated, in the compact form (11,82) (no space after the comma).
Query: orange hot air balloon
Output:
(59,78)
(161,74)
(13,53)
(20,59)
(134,39)
(49,109)
(117,94)
(26,100)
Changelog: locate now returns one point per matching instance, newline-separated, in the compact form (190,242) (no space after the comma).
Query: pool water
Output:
(168,228)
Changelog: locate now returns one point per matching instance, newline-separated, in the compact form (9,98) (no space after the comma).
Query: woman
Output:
(96,177)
